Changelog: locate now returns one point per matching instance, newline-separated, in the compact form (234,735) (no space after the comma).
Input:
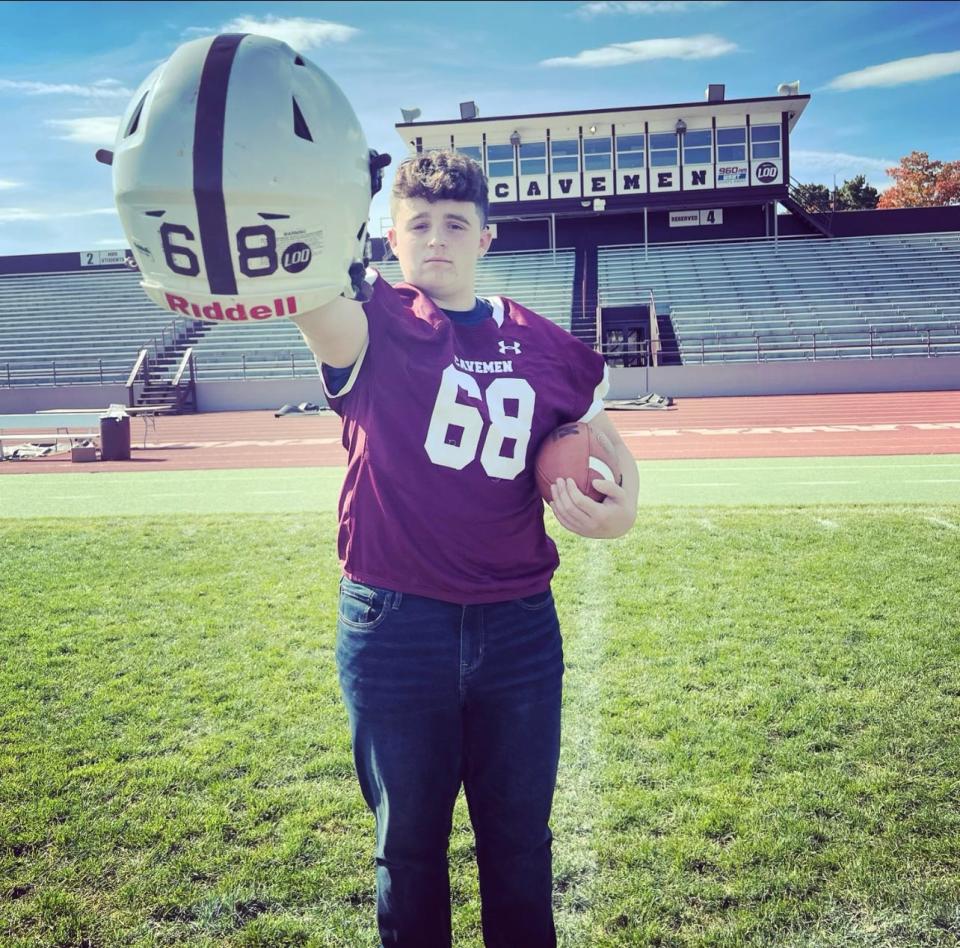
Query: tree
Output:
(920,182)
(856,195)
(812,197)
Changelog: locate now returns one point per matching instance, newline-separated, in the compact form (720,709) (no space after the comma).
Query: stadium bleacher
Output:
(800,298)
(275,349)
(729,301)
(79,326)
(88,326)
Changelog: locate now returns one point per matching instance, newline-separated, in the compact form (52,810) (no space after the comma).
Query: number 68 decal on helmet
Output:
(243,182)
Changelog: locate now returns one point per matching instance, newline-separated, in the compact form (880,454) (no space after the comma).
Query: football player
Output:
(448,645)
(243,182)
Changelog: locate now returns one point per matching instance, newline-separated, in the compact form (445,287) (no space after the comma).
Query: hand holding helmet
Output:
(243,182)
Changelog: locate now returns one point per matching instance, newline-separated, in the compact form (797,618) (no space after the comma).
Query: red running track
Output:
(758,426)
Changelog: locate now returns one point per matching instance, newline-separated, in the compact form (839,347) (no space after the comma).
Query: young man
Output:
(448,646)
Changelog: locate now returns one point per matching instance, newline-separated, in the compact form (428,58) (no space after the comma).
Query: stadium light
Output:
(410,115)
(515,138)
(681,126)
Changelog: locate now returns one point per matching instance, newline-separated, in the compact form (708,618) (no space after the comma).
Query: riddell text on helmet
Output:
(236,314)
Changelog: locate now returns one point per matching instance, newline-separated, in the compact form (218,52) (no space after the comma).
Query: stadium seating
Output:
(81,326)
(797,298)
(541,280)
(88,326)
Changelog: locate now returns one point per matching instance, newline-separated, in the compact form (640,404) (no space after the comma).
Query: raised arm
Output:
(336,332)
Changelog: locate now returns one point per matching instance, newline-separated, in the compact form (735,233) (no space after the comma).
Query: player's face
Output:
(438,244)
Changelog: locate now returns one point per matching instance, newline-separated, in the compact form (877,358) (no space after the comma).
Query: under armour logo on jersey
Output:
(514,347)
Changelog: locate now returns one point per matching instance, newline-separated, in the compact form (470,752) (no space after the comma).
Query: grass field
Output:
(761,738)
(920,479)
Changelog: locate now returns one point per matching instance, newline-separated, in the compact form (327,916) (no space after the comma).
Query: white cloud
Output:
(704,46)
(820,166)
(93,130)
(590,10)
(17,214)
(7,185)
(295,31)
(900,72)
(102,89)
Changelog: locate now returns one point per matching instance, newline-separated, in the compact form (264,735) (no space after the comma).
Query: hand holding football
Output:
(575,450)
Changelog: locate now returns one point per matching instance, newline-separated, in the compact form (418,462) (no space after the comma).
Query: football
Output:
(576,450)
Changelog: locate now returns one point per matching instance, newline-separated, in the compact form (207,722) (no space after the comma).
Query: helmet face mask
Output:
(243,181)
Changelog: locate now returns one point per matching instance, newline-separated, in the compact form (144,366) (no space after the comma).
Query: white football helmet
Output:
(243,182)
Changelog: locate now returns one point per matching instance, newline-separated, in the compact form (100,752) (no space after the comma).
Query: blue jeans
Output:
(440,694)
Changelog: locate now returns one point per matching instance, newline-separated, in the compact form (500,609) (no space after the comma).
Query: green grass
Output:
(929,479)
(761,741)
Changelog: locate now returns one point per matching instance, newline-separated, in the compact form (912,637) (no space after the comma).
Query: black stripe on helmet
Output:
(208,134)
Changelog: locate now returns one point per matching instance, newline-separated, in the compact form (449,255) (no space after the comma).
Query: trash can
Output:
(115,437)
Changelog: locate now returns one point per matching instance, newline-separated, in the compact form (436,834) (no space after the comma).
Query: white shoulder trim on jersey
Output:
(353,375)
(497,303)
(598,395)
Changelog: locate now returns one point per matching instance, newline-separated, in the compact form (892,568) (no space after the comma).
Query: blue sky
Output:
(884,79)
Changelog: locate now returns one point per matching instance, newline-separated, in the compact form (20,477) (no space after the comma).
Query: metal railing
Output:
(185,363)
(186,391)
(694,350)
(177,330)
(654,331)
(812,347)
(250,368)
(63,371)
(139,375)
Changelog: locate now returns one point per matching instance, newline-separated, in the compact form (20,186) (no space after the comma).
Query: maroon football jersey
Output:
(442,422)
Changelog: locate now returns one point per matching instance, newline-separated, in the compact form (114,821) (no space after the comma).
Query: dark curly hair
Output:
(442,175)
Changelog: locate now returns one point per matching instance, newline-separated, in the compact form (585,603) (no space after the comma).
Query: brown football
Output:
(576,450)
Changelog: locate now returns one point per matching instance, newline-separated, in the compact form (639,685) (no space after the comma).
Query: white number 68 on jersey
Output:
(447,412)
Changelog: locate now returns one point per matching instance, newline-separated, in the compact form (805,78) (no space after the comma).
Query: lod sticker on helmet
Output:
(243,182)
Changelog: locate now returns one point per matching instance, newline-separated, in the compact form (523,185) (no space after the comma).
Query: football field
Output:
(933,478)
(761,701)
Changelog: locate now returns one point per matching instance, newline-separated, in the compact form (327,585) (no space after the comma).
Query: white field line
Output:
(942,523)
(578,802)
(154,494)
(279,442)
(748,430)
(800,465)
(814,483)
